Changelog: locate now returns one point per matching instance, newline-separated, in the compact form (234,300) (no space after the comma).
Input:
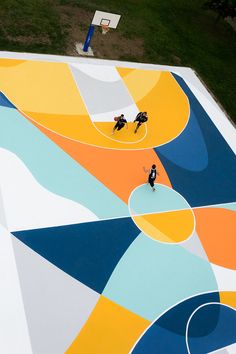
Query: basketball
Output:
(116,119)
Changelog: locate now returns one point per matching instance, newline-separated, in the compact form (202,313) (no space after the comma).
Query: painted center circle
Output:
(163,215)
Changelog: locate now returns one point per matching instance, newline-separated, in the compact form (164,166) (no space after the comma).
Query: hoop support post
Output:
(88,38)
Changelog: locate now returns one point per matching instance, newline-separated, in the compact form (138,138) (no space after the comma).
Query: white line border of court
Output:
(216,114)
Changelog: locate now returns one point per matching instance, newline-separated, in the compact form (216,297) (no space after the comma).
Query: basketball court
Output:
(92,260)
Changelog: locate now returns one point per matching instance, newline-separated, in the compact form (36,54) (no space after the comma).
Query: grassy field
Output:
(174,32)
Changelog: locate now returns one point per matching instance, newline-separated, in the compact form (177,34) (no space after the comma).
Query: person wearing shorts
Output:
(152,176)
(140,118)
(120,123)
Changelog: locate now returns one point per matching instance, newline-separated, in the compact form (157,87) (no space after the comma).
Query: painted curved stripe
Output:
(195,156)
(114,165)
(216,183)
(54,169)
(29,206)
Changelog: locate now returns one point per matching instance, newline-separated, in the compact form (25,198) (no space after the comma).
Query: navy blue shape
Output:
(160,341)
(167,334)
(175,319)
(195,157)
(89,252)
(216,183)
(4,101)
(223,335)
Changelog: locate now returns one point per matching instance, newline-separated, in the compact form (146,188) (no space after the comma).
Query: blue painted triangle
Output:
(89,252)
(4,101)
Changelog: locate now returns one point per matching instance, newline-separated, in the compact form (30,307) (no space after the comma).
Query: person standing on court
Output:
(152,176)
(140,118)
(120,123)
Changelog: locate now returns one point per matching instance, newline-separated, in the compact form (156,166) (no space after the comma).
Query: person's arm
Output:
(145,170)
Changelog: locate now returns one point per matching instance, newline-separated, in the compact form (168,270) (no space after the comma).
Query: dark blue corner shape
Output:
(212,327)
(89,252)
(4,101)
(216,182)
(223,335)
(167,334)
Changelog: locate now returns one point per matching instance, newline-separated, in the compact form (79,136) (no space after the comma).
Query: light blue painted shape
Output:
(143,200)
(230,206)
(54,169)
(151,277)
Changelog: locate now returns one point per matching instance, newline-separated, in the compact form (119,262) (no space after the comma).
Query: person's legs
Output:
(138,125)
(115,127)
(121,126)
(151,182)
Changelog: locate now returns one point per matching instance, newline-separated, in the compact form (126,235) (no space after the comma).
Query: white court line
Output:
(193,313)
(99,131)
(168,309)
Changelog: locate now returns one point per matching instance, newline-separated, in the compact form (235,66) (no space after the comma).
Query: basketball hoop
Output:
(105,29)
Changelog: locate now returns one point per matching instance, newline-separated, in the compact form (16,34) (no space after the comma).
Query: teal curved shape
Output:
(54,169)
(151,277)
(144,201)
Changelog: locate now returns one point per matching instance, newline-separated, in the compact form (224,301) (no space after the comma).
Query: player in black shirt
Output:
(140,118)
(120,123)
(152,176)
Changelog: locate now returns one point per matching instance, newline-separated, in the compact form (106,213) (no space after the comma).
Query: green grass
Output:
(175,32)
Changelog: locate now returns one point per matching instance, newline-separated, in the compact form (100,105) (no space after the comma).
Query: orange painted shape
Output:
(110,329)
(119,170)
(228,298)
(173,226)
(10,62)
(216,228)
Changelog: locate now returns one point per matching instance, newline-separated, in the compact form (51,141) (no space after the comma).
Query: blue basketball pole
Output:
(88,38)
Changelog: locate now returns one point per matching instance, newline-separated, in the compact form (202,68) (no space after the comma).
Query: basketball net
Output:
(105,29)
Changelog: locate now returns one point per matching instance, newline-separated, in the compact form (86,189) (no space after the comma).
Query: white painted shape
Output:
(100,15)
(30,206)
(129,112)
(105,73)
(230,349)
(14,335)
(226,278)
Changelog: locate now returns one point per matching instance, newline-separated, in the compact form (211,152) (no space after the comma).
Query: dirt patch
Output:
(113,45)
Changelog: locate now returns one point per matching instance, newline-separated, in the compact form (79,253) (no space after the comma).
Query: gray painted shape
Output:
(3,220)
(56,305)
(100,96)
(194,246)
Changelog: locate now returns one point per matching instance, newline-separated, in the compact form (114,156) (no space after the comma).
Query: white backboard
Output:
(105,18)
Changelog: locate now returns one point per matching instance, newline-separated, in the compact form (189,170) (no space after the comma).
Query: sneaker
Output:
(153,189)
